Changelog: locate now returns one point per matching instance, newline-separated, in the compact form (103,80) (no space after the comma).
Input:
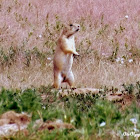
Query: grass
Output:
(106,36)
(108,44)
(86,113)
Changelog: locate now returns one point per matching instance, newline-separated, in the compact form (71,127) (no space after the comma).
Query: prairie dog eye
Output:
(71,25)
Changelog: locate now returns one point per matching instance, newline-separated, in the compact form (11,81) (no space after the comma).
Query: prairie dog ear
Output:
(65,29)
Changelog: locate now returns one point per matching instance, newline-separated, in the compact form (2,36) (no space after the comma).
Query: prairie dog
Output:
(63,58)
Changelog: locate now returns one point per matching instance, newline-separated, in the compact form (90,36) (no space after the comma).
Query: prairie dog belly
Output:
(70,42)
(63,61)
(67,63)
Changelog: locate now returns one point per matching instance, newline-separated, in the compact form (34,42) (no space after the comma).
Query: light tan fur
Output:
(63,58)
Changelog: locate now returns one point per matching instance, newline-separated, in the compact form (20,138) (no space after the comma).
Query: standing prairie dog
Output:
(63,58)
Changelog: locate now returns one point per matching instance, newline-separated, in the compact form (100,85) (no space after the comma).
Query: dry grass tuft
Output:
(108,43)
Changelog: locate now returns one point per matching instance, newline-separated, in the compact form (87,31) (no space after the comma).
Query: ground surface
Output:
(73,116)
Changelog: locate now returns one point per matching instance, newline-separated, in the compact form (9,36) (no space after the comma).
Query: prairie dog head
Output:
(71,30)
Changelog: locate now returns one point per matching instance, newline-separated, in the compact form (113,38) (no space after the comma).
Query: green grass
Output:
(86,113)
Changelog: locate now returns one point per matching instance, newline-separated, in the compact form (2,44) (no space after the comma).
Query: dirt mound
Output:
(120,97)
(12,123)
(58,124)
(78,91)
